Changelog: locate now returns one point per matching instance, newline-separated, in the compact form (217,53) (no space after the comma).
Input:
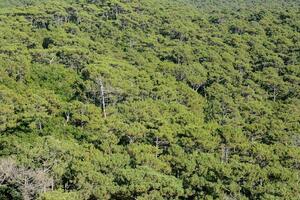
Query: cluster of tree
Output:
(148,99)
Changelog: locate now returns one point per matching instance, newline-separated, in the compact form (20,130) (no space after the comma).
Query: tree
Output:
(30,182)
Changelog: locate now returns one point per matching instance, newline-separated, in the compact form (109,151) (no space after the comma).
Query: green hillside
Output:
(149,99)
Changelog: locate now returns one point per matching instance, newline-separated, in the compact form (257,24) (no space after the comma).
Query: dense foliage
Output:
(149,99)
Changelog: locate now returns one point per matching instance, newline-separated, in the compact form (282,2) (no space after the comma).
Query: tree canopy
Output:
(149,99)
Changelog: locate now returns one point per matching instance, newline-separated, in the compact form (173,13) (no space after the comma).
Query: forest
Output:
(149,99)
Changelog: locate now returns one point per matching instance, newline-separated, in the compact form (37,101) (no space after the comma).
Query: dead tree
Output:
(30,182)
(225,154)
(102,94)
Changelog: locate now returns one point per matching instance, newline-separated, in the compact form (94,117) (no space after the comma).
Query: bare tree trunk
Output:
(52,184)
(102,97)
(225,154)
(52,59)
(25,189)
(67,114)
(40,125)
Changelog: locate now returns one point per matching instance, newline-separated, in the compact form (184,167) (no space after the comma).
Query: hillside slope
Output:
(148,99)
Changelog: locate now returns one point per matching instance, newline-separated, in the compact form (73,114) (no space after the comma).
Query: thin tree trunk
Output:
(103,98)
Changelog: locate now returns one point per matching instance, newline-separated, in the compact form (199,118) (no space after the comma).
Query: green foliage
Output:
(113,99)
